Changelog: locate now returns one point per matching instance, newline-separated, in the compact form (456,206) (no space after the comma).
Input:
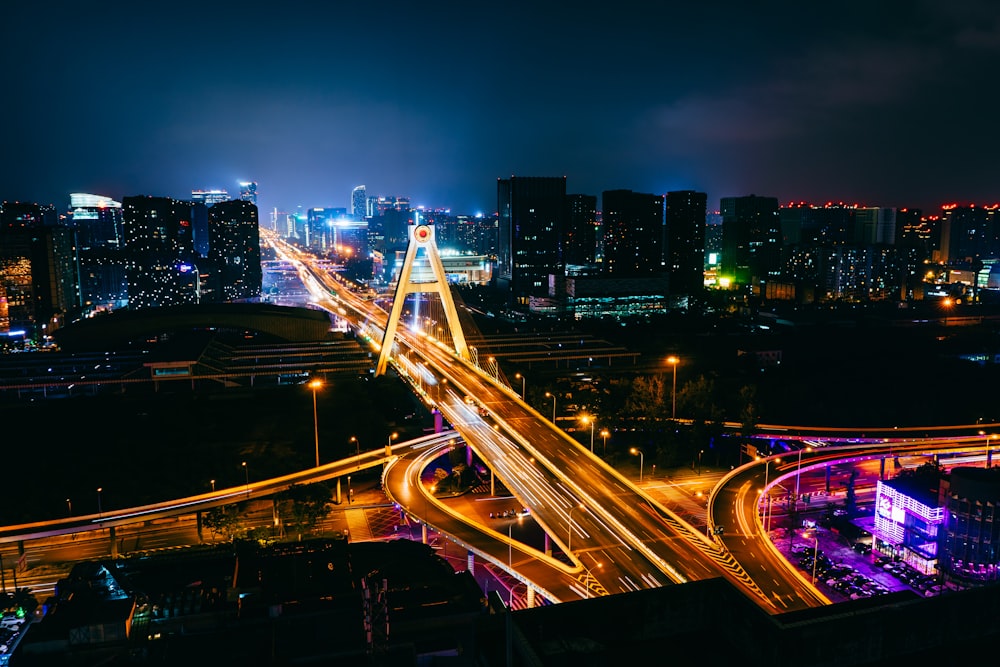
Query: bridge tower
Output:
(421,238)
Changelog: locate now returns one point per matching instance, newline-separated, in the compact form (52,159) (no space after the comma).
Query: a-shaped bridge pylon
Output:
(421,239)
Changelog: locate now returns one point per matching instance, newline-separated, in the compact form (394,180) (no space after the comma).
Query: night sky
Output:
(881,103)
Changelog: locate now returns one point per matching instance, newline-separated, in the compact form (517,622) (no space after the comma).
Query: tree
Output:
(224,521)
(648,398)
(302,507)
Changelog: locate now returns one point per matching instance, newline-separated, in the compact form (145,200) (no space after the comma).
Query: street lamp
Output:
(350,491)
(388,446)
(69,506)
(569,528)
(798,471)
(100,512)
(586,583)
(357,449)
(212,482)
(553,397)
(673,361)
(246,474)
(523,381)
(815,553)
(587,419)
(315,385)
(604,435)
(700,452)
(638,451)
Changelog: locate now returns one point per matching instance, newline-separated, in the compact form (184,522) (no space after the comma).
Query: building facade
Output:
(532,214)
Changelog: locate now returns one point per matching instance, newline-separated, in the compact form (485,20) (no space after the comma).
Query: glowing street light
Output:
(634,451)
(604,435)
(588,419)
(357,449)
(673,361)
(549,394)
(388,446)
(100,512)
(246,475)
(315,385)
(523,382)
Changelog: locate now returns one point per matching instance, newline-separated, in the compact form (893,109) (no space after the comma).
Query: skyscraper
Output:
(97,221)
(359,203)
(234,248)
(580,239)
(685,242)
(38,284)
(751,238)
(532,213)
(633,233)
(248,191)
(209,197)
(159,251)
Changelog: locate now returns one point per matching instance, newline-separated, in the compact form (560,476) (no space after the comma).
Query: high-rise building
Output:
(751,238)
(248,191)
(685,217)
(38,270)
(209,197)
(580,238)
(97,221)
(359,203)
(973,231)
(234,249)
(159,250)
(633,233)
(532,213)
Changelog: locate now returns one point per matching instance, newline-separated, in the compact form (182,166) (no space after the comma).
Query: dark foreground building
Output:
(398,603)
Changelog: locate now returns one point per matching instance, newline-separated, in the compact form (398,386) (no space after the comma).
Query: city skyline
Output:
(439,102)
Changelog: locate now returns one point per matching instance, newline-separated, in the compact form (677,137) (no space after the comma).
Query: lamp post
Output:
(212,482)
(315,385)
(604,435)
(100,512)
(246,475)
(69,506)
(815,554)
(588,419)
(357,449)
(388,445)
(350,491)
(636,450)
(673,361)
(523,385)
(549,394)
(700,452)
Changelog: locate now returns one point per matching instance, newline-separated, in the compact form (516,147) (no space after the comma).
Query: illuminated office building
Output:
(532,215)
(234,250)
(159,252)
(97,221)
(580,238)
(359,203)
(209,197)
(248,191)
(38,286)
(633,234)
(751,239)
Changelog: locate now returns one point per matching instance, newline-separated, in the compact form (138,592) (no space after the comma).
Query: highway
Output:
(605,534)
(632,542)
